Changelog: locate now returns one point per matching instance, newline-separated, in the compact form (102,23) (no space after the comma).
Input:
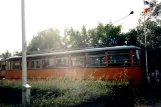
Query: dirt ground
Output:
(148,96)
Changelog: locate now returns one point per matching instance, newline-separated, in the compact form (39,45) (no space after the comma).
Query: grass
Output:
(61,92)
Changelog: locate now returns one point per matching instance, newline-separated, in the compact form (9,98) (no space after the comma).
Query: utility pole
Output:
(25,86)
(146,56)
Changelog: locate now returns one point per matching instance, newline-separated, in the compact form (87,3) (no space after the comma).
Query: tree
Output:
(152,26)
(46,39)
(105,35)
(76,38)
(100,36)
(17,53)
(153,32)
(130,38)
(5,55)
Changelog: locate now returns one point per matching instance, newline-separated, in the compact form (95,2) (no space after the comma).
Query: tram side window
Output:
(11,65)
(7,65)
(35,64)
(28,64)
(96,60)
(49,62)
(119,58)
(2,65)
(62,62)
(16,65)
(135,57)
(77,61)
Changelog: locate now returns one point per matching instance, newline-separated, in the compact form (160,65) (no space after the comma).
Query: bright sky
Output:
(43,14)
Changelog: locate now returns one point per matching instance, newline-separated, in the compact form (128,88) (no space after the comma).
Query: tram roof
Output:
(84,50)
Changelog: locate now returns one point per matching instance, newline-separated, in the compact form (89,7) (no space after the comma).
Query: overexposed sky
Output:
(43,14)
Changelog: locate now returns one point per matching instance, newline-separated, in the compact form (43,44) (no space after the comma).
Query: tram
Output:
(107,63)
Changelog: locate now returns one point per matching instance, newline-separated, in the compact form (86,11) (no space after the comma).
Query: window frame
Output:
(35,64)
(117,54)
(137,58)
(78,56)
(63,57)
(11,64)
(95,55)
(46,62)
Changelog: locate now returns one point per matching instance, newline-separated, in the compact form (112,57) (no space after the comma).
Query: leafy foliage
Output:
(62,91)
(152,27)
(17,53)
(5,55)
(46,39)
(106,35)
(101,36)
(76,38)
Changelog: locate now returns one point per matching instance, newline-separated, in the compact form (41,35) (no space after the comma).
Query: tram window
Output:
(62,62)
(11,63)
(35,64)
(77,61)
(46,62)
(135,59)
(96,60)
(16,65)
(49,62)
(3,67)
(28,65)
(118,58)
(7,65)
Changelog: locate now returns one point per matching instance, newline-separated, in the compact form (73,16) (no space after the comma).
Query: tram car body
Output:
(108,63)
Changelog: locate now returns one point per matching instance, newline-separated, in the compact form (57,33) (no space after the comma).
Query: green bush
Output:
(62,91)
(67,91)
